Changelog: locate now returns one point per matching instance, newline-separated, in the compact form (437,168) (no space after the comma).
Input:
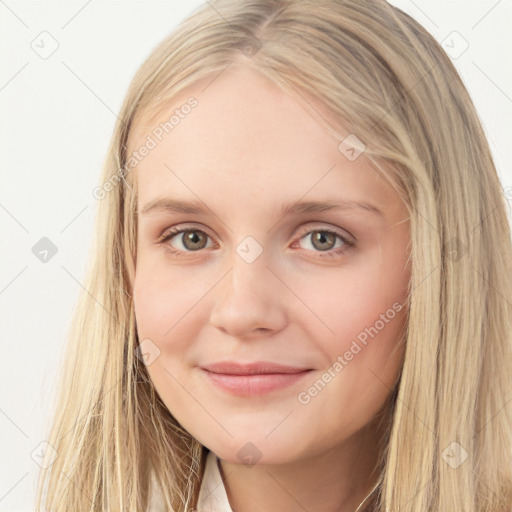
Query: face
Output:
(246,281)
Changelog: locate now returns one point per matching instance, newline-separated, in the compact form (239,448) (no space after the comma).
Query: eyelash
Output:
(348,244)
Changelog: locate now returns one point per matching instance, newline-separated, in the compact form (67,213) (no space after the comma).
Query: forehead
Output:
(245,138)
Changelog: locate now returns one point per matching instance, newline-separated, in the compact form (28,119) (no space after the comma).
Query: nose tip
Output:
(247,303)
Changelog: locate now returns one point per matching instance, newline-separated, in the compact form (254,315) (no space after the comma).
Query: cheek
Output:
(165,321)
(163,297)
(171,311)
(154,305)
(359,326)
(355,301)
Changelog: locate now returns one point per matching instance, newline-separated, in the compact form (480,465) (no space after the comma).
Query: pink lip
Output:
(253,378)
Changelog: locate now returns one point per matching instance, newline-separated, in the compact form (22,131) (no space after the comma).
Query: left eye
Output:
(191,239)
(324,240)
(321,240)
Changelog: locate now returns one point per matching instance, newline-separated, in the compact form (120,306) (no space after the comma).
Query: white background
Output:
(57,116)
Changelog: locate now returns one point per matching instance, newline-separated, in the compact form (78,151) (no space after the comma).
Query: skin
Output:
(247,149)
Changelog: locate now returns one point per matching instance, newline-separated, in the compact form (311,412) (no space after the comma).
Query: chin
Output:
(256,452)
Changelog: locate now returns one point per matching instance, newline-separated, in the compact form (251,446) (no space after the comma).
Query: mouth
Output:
(253,379)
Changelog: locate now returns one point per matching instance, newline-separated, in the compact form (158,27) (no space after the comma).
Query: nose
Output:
(249,300)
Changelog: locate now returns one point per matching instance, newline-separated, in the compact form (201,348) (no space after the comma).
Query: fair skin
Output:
(245,151)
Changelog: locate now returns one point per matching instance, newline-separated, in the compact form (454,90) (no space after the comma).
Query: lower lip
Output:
(252,385)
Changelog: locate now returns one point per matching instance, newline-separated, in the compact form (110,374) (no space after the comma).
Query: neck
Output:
(338,479)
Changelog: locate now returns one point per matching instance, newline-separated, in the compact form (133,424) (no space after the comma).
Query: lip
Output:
(255,368)
(251,379)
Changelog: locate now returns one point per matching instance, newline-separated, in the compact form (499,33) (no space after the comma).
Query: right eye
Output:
(190,239)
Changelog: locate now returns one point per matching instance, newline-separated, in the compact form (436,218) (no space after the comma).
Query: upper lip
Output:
(255,368)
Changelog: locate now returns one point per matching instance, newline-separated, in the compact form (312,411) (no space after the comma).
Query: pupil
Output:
(321,236)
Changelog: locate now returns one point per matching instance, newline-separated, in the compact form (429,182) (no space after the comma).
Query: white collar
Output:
(212,493)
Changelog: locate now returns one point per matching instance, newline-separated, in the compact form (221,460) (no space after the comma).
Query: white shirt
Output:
(212,493)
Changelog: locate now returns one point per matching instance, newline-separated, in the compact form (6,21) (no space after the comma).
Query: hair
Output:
(383,77)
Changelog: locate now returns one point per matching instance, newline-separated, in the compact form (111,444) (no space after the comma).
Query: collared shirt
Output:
(212,494)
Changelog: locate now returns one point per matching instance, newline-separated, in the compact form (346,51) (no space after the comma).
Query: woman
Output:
(224,358)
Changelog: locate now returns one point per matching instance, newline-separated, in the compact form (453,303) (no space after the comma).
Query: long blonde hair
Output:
(388,81)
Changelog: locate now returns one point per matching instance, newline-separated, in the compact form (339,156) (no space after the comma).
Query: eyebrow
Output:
(169,205)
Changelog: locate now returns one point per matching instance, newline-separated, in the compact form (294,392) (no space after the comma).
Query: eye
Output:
(324,241)
(191,239)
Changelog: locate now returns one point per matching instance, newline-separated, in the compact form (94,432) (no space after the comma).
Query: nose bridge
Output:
(248,281)
(248,298)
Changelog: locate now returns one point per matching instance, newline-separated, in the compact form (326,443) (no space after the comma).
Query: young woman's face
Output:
(317,289)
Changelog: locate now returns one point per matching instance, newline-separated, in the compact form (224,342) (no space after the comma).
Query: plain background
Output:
(57,116)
